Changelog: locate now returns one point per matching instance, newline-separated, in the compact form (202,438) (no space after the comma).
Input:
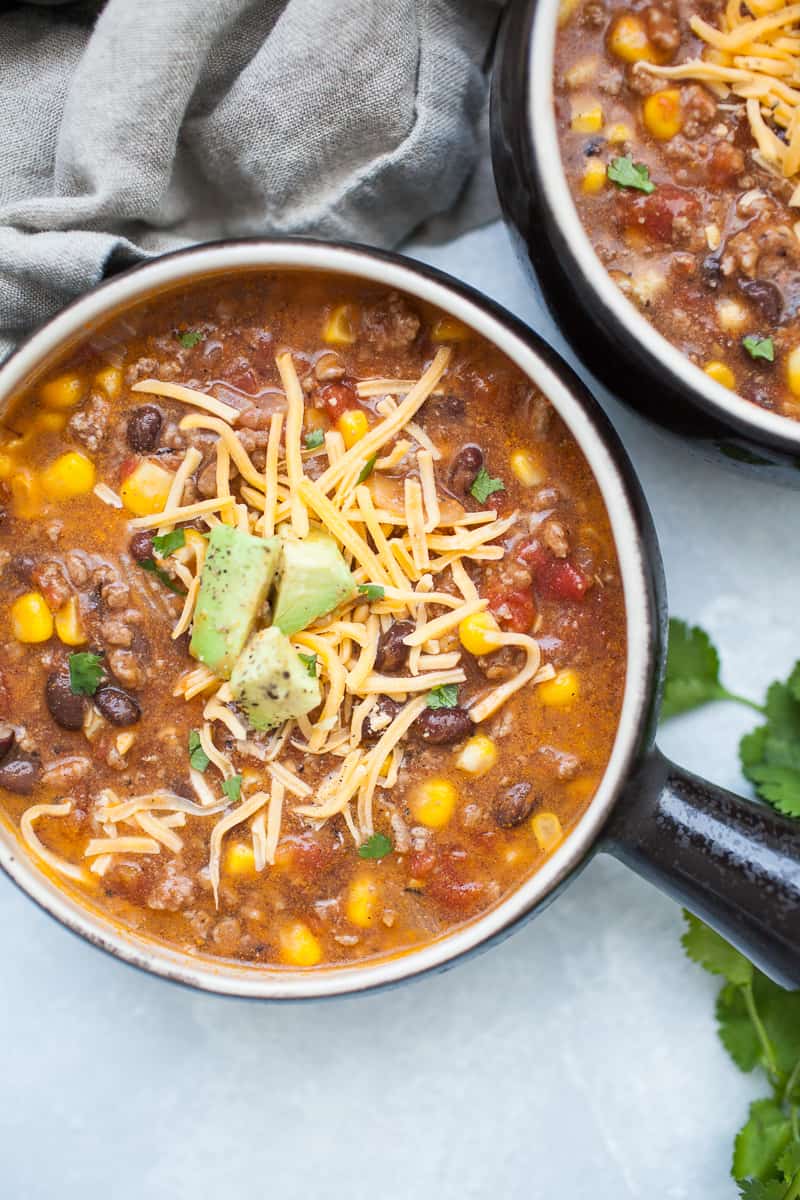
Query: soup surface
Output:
(680,137)
(314,628)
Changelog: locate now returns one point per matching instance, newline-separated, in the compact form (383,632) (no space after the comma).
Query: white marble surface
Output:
(577,1060)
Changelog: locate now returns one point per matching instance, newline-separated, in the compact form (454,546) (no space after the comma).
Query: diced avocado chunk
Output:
(312,578)
(270,681)
(234,582)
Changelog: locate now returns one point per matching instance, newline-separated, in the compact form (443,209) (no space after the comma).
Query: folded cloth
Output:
(137,127)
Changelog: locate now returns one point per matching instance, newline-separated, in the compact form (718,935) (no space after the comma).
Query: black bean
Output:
(385,708)
(7,738)
(593,146)
(141,546)
(466,465)
(117,706)
(711,271)
(766,296)
(512,806)
(442,726)
(444,408)
(392,654)
(20,773)
(144,426)
(21,566)
(66,709)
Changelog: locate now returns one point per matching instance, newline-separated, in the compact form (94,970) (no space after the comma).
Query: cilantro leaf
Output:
(309,661)
(779,1011)
(197,755)
(761,1141)
(147,564)
(753,1189)
(789,1163)
(190,338)
(625,172)
(372,591)
(232,787)
(758,347)
(165,543)
(713,953)
(85,673)
(483,486)
(314,438)
(735,1028)
(692,675)
(377,846)
(770,755)
(445,696)
(367,469)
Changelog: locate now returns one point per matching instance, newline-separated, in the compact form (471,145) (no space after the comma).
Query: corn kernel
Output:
(793,371)
(547,830)
(662,114)
(6,466)
(353,425)
(476,633)
(110,380)
(363,898)
(339,329)
(145,490)
(64,392)
(731,316)
(559,691)
(629,41)
(433,803)
(298,946)
(587,119)
(69,626)
(594,177)
(385,767)
(448,329)
(26,494)
(31,619)
(240,859)
(50,422)
(581,72)
(72,474)
(618,133)
(720,372)
(477,756)
(526,468)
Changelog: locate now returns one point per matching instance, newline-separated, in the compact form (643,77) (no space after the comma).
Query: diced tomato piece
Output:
(553,578)
(657,214)
(305,857)
(128,466)
(514,608)
(336,398)
(453,886)
(421,863)
(563,581)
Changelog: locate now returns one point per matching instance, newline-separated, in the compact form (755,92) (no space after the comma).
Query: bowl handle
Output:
(734,863)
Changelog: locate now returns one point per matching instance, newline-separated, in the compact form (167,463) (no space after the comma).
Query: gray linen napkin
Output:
(162,122)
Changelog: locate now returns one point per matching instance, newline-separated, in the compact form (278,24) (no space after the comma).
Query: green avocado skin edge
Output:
(236,577)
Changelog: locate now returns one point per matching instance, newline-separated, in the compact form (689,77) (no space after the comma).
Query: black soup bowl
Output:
(604,329)
(734,863)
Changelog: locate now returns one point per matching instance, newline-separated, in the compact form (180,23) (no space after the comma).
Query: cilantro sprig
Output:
(309,661)
(692,675)
(483,486)
(190,338)
(367,469)
(758,1021)
(377,846)
(372,591)
(167,543)
(232,787)
(85,672)
(313,439)
(628,174)
(444,696)
(197,755)
(149,564)
(758,347)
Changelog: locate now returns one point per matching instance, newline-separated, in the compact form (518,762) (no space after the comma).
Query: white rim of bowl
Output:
(264,982)
(540,115)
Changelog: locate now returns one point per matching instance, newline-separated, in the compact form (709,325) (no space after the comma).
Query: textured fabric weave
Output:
(143,125)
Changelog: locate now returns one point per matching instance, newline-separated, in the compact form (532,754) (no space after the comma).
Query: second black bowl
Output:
(605,330)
